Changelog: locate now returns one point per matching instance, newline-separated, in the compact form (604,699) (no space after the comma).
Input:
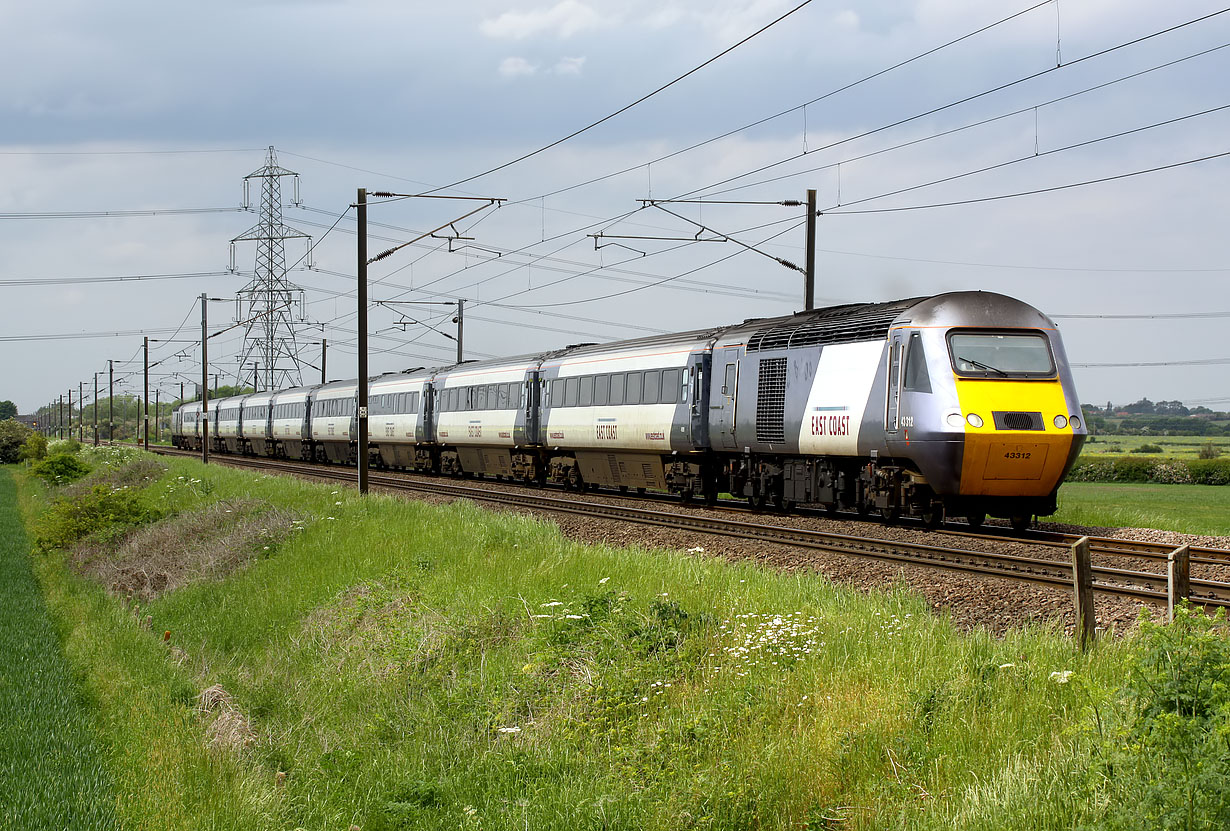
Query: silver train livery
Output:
(959,404)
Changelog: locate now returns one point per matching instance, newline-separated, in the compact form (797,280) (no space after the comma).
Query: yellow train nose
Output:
(1016,449)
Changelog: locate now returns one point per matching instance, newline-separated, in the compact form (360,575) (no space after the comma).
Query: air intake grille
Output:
(771,401)
(1017,421)
(838,324)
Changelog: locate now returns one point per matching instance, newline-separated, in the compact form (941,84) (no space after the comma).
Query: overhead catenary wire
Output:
(627,107)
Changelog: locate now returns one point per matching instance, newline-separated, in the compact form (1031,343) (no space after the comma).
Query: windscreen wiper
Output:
(982,365)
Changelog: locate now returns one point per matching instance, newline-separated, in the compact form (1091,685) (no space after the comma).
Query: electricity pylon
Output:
(270,306)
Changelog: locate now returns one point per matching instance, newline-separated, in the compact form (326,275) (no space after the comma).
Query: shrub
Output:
(13,435)
(35,447)
(1170,473)
(1208,451)
(1148,448)
(64,446)
(60,469)
(1164,758)
(1210,471)
(102,513)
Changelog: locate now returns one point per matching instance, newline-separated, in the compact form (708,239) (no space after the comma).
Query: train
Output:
(953,405)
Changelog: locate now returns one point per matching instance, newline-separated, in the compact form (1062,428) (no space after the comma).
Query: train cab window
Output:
(617,388)
(572,389)
(729,387)
(632,395)
(916,377)
(652,387)
(671,379)
(1000,354)
(587,391)
(602,389)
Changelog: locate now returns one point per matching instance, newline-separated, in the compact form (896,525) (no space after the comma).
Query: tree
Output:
(7,410)
(13,435)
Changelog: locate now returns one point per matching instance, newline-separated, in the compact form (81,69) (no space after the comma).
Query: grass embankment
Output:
(51,775)
(391,664)
(1189,509)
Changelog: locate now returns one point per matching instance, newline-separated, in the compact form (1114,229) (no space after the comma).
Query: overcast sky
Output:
(163,109)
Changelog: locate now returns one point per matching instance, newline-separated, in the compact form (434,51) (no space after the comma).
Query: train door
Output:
(723,397)
(530,393)
(892,415)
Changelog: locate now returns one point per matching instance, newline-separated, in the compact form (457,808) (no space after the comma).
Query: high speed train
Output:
(958,404)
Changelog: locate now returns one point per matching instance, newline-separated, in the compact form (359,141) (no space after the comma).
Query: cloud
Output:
(564,20)
(517,67)
(569,66)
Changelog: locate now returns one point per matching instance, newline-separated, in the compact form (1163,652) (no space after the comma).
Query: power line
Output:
(1028,192)
(131,278)
(798,107)
(960,101)
(627,107)
(104,214)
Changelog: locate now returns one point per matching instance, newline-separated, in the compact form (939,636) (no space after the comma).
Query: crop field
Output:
(268,653)
(51,774)
(1178,447)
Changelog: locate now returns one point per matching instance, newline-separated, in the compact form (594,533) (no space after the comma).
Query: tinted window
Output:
(671,379)
(502,397)
(916,377)
(652,387)
(617,388)
(587,391)
(557,393)
(633,392)
(602,389)
(572,387)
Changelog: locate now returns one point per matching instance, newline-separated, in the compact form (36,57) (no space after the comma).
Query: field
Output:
(277,654)
(1191,509)
(1178,447)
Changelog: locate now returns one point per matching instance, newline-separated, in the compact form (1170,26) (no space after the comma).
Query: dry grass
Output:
(229,729)
(203,544)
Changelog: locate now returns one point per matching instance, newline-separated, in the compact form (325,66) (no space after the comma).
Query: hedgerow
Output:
(1152,470)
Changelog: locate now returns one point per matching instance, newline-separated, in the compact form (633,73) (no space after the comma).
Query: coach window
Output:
(671,379)
(617,388)
(493,396)
(587,391)
(652,387)
(572,388)
(557,392)
(633,393)
(602,389)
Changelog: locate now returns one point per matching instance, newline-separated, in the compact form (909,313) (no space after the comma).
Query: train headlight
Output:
(974,420)
(1061,421)
(955,421)
(1075,422)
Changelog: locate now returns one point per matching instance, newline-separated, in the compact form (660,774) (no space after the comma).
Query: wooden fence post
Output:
(1082,585)
(1178,578)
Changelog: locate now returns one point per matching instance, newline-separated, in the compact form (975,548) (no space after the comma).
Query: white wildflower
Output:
(1061,676)
(510,730)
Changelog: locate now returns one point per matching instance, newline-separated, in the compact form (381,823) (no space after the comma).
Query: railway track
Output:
(1042,570)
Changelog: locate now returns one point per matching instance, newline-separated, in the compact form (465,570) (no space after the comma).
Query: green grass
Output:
(1191,509)
(399,665)
(1173,447)
(51,774)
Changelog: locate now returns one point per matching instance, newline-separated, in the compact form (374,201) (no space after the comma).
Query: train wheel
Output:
(686,497)
(710,491)
(1020,522)
(933,516)
(976,519)
(889,514)
(757,501)
(574,478)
